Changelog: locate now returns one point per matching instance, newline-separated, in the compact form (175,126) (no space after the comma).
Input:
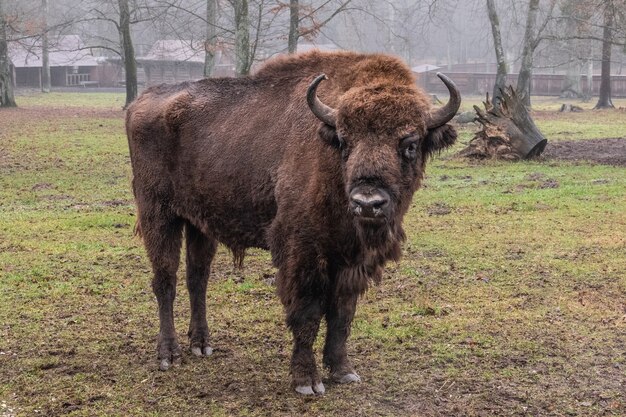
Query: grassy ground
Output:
(590,124)
(510,299)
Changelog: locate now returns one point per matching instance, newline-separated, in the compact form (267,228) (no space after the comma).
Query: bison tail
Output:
(137,229)
(238,255)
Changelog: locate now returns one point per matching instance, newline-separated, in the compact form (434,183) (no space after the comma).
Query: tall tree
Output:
(210,46)
(6,82)
(604,100)
(128,52)
(524,78)
(532,38)
(501,73)
(243,60)
(298,13)
(106,26)
(45,50)
(294,23)
(577,19)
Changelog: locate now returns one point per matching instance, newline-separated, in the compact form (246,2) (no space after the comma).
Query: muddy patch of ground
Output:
(600,151)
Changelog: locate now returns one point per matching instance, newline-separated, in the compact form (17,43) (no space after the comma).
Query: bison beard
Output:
(327,199)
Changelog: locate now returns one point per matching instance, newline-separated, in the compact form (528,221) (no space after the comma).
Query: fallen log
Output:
(508,131)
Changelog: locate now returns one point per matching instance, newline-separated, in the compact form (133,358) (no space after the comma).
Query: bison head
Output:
(385,132)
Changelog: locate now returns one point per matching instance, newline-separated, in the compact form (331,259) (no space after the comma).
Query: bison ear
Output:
(438,139)
(328,134)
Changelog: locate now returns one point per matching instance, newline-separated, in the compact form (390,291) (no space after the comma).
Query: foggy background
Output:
(231,37)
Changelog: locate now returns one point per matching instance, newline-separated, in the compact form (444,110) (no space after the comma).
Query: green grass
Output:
(510,298)
(589,124)
(592,124)
(73,100)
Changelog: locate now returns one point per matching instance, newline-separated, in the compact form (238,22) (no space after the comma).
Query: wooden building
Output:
(171,61)
(70,63)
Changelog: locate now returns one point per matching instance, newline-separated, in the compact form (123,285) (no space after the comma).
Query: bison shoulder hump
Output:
(151,110)
(177,109)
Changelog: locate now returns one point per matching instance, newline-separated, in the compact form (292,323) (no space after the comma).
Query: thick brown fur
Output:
(245,162)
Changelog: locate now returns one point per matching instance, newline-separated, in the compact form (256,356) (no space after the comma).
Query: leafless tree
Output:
(99,16)
(294,26)
(604,99)
(589,23)
(28,25)
(576,54)
(243,61)
(501,73)
(128,51)
(45,51)
(298,14)
(210,46)
(6,83)
(532,38)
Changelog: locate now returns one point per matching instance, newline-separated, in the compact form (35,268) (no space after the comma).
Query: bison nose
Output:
(370,203)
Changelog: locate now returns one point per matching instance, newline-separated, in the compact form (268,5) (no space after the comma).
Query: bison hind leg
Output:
(162,234)
(200,252)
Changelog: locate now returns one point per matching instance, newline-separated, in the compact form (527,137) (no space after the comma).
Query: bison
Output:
(319,173)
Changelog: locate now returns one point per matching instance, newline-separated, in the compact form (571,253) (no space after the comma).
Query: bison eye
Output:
(341,143)
(409,150)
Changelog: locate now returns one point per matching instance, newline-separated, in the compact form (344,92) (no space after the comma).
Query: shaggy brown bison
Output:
(319,173)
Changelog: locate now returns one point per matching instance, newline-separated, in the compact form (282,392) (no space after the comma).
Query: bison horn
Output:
(323,112)
(447,112)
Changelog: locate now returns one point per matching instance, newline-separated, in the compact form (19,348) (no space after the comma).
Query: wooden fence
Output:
(542,84)
(75,79)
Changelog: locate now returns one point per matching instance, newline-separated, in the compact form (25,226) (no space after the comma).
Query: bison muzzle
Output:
(315,157)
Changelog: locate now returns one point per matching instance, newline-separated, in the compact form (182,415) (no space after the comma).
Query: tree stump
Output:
(508,132)
(566,108)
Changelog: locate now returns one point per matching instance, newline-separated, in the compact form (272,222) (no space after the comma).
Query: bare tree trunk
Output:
(571,87)
(242,38)
(318,24)
(45,52)
(128,52)
(6,83)
(604,101)
(210,46)
(294,21)
(500,58)
(524,78)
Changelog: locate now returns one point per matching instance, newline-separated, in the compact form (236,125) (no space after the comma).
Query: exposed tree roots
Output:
(508,132)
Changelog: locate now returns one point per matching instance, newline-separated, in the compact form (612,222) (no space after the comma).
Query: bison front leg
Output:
(304,321)
(200,252)
(301,295)
(339,314)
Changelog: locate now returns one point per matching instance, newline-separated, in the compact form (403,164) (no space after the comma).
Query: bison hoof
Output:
(346,378)
(205,351)
(308,390)
(169,353)
(165,365)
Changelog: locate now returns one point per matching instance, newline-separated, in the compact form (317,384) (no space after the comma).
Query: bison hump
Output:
(177,109)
